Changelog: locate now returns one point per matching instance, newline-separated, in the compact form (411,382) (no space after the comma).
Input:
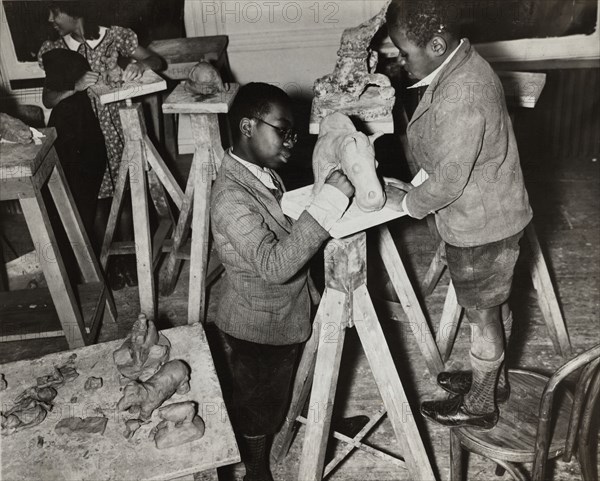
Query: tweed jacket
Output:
(266,294)
(461,134)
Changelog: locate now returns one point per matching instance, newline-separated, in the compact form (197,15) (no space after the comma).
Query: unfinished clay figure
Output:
(92,383)
(179,425)
(204,80)
(90,425)
(354,73)
(340,145)
(143,352)
(145,397)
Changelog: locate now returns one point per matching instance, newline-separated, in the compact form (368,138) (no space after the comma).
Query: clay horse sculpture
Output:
(340,145)
(353,76)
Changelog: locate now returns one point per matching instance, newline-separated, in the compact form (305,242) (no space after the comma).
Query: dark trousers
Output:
(261,378)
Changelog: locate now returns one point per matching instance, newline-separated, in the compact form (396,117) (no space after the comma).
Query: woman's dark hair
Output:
(254,100)
(422,19)
(88,10)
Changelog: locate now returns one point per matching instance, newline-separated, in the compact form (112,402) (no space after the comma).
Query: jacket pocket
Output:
(467,213)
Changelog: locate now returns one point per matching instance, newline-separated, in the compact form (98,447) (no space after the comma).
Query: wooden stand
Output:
(346,303)
(208,153)
(144,169)
(24,171)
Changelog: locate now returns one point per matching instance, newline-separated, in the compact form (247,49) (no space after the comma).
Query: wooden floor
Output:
(565,197)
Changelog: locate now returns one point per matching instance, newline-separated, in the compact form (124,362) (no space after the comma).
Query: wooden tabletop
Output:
(111,457)
(20,161)
(180,101)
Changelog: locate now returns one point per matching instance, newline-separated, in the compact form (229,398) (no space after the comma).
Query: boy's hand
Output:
(395,190)
(339,180)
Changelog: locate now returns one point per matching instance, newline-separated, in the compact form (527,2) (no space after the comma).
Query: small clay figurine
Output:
(179,425)
(113,77)
(145,397)
(143,352)
(341,145)
(204,80)
(3,383)
(92,383)
(90,425)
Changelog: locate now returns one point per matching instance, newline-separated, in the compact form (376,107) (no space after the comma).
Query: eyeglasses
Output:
(287,135)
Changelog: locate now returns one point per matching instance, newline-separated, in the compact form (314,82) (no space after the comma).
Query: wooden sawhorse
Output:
(146,172)
(195,207)
(346,303)
(24,171)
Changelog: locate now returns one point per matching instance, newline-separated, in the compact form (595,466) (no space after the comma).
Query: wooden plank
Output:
(331,315)
(449,323)
(55,272)
(149,82)
(183,102)
(21,161)
(435,271)
(547,297)
(390,386)
(111,457)
(163,173)
(302,385)
(409,301)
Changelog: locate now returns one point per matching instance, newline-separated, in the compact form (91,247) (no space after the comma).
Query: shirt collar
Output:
(261,173)
(74,44)
(429,79)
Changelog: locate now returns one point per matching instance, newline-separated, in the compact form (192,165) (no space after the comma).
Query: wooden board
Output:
(294,202)
(149,82)
(183,102)
(110,457)
(21,161)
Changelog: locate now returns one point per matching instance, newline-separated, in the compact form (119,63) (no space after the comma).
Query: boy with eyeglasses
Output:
(264,309)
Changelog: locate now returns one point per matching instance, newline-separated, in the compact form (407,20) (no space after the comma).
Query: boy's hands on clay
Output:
(395,190)
(338,179)
(86,80)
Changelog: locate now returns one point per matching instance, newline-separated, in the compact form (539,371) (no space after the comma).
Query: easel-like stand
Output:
(146,172)
(346,303)
(208,153)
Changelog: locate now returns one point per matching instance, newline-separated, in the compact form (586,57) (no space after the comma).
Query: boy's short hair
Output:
(422,19)
(254,100)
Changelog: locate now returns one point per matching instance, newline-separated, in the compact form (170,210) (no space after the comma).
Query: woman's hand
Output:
(133,71)
(339,180)
(86,80)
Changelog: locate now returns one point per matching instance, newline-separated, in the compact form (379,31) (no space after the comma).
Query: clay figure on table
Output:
(179,425)
(340,145)
(145,397)
(204,80)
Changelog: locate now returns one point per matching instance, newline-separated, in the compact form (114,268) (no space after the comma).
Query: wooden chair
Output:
(539,422)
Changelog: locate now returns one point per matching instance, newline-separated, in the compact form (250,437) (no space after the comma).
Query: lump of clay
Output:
(131,426)
(204,79)
(92,383)
(340,145)
(32,415)
(143,352)
(14,130)
(91,425)
(113,77)
(3,383)
(179,425)
(145,397)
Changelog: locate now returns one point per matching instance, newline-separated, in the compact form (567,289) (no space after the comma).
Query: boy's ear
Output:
(246,127)
(438,45)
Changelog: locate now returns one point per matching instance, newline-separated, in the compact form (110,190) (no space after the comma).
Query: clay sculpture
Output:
(30,408)
(204,80)
(179,425)
(131,426)
(145,397)
(143,352)
(340,145)
(90,425)
(14,130)
(92,383)
(354,75)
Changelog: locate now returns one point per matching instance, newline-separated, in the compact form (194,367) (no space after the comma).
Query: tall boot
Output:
(255,454)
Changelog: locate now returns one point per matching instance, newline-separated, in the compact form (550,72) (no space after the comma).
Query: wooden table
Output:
(110,457)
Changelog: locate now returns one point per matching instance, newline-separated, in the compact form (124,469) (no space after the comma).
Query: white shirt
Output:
(424,82)
(74,44)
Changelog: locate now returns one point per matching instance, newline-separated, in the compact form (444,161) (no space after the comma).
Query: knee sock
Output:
(481,397)
(256,458)
(507,323)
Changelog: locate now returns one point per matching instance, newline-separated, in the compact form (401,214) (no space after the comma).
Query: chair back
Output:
(586,394)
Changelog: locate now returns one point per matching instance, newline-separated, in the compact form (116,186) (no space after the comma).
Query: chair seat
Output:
(513,438)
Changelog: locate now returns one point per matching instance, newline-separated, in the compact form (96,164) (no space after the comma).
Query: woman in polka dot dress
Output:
(102,47)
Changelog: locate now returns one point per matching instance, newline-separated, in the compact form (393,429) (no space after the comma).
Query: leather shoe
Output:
(459,382)
(452,413)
